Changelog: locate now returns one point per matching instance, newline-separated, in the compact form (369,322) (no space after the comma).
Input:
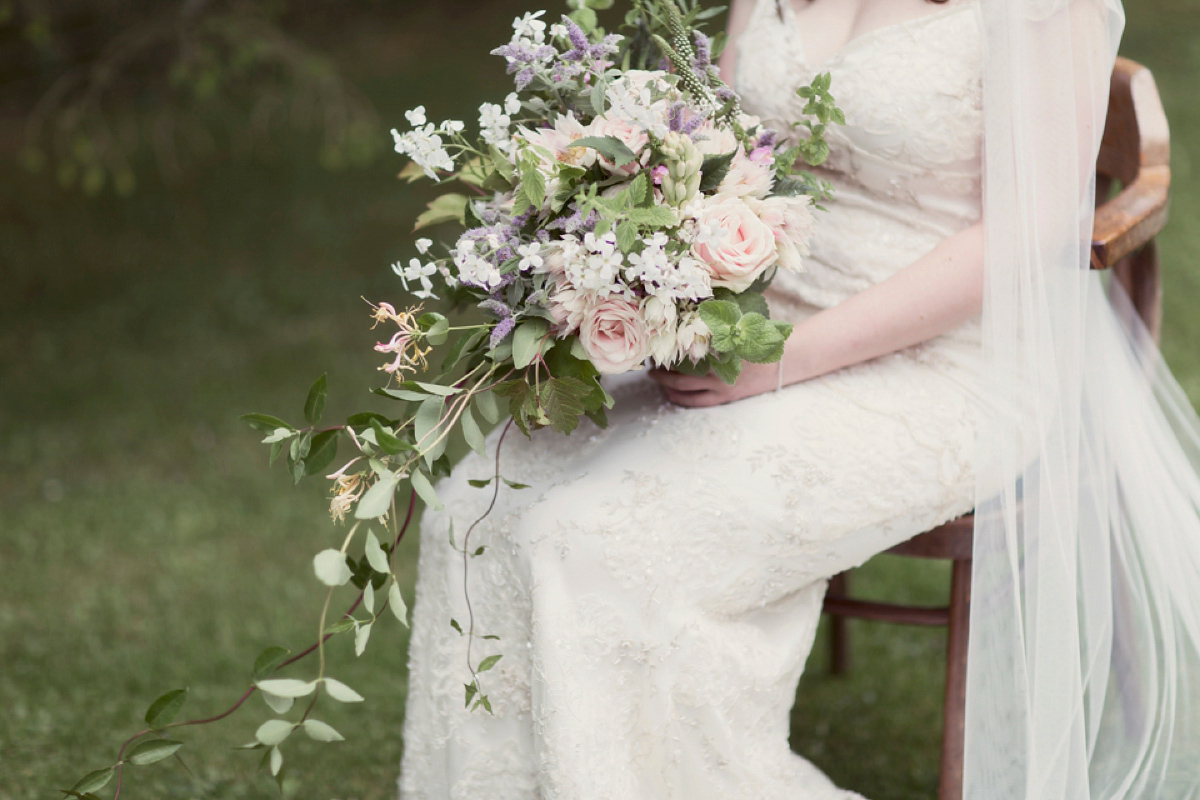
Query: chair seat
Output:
(952,541)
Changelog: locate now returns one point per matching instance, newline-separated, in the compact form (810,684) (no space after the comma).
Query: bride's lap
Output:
(745,502)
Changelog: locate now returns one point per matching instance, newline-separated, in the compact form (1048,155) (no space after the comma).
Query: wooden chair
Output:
(1134,156)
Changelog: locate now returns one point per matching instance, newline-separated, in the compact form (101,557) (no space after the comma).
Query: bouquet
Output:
(618,208)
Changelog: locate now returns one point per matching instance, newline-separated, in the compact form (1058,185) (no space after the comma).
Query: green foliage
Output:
(165,708)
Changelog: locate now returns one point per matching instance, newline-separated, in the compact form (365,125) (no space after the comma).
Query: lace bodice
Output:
(906,166)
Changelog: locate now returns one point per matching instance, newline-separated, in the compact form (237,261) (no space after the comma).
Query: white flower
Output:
(423,245)
(416,117)
(529,256)
(418,273)
(530,27)
(512,104)
(493,123)
(691,338)
(558,30)
(454,126)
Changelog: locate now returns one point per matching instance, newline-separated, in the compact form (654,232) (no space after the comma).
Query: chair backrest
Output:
(1135,152)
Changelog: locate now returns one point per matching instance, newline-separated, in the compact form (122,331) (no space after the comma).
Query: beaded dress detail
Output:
(657,589)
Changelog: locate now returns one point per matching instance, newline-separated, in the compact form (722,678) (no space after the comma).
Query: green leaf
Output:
(378,499)
(341,692)
(164,709)
(268,660)
(655,216)
(341,626)
(361,636)
(527,341)
(152,750)
(375,555)
(760,341)
(561,400)
(610,147)
(714,169)
(480,482)
(425,490)
(454,624)
(280,705)
(274,731)
(752,303)
(287,687)
(515,485)
(321,732)
(533,185)
(720,316)
(275,757)
(398,394)
(471,433)
(324,450)
(265,422)
(447,208)
(436,388)
(727,368)
(488,408)
(92,782)
(428,419)
(330,567)
(386,440)
(488,663)
(471,690)
(397,605)
(314,405)
(463,344)
(627,235)
(438,332)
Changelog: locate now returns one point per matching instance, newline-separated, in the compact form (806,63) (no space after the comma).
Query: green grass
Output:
(144,544)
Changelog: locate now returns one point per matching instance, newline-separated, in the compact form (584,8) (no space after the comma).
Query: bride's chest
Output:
(911,92)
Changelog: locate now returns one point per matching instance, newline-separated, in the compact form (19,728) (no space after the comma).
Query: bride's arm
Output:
(927,298)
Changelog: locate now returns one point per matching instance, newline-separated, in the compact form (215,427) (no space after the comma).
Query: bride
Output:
(655,592)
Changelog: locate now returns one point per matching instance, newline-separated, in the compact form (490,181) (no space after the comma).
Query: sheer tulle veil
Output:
(1084,665)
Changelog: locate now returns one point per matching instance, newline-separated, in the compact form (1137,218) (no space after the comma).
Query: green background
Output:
(145,545)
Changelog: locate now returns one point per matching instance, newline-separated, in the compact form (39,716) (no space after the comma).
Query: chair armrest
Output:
(1132,218)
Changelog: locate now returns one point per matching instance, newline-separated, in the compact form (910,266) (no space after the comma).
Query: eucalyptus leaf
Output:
(489,409)
(376,557)
(152,750)
(93,781)
(330,567)
(268,660)
(280,705)
(425,490)
(527,341)
(274,731)
(288,687)
(314,405)
(396,603)
(276,760)
(471,432)
(164,709)
(361,636)
(341,692)
(321,732)
(378,499)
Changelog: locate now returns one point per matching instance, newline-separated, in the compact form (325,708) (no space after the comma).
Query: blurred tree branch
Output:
(118,86)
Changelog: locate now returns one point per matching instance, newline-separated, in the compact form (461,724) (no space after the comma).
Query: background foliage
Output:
(144,545)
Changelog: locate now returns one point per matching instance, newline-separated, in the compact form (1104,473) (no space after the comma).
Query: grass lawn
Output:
(144,544)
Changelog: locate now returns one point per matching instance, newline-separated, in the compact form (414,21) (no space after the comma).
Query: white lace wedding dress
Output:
(656,592)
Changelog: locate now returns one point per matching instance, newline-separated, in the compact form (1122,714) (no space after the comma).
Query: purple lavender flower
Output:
(524,78)
(579,39)
(503,328)
(768,139)
(675,118)
(693,124)
(725,94)
(495,306)
(703,53)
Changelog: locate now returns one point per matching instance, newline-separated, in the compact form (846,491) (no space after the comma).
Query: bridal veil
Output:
(1084,666)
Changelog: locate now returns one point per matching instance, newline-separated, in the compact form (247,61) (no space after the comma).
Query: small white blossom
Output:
(454,126)
(417,273)
(423,245)
(530,27)
(512,104)
(558,30)
(529,256)
(416,117)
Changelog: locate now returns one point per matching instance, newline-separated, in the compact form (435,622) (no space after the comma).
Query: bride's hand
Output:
(702,391)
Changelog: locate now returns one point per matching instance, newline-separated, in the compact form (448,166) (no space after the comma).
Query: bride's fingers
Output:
(676,381)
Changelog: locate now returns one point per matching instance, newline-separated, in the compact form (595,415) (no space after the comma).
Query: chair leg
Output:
(950,785)
(1139,275)
(839,644)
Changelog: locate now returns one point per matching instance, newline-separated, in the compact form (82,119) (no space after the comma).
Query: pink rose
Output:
(791,220)
(614,335)
(628,132)
(748,176)
(733,242)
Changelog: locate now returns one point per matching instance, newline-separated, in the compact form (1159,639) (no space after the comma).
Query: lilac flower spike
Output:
(503,328)
(703,53)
